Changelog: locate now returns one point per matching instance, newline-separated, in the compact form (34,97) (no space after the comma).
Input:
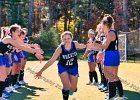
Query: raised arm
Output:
(53,59)
(50,62)
(110,37)
(22,47)
(80,46)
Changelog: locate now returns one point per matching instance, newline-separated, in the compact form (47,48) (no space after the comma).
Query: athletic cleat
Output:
(6,95)
(107,98)
(89,83)
(12,88)
(8,89)
(115,98)
(100,84)
(16,86)
(94,83)
(104,89)
(100,87)
(120,98)
(22,82)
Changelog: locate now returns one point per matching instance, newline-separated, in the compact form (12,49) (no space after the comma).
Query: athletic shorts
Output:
(18,54)
(6,61)
(1,60)
(91,58)
(112,58)
(25,54)
(71,71)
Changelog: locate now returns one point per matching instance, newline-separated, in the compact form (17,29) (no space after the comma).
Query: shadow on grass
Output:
(28,92)
(132,95)
(25,93)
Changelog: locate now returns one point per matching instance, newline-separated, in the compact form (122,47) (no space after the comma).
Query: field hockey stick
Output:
(33,69)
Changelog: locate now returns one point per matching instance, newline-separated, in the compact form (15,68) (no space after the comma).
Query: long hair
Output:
(4,32)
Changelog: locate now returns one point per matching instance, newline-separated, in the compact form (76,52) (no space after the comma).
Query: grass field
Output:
(49,86)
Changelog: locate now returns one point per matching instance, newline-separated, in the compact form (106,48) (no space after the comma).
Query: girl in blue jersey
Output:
(91,60)
(7,44)
(7,59)
(67,65)
(111,58)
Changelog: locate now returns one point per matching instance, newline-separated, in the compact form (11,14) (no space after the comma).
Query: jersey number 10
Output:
(70,62)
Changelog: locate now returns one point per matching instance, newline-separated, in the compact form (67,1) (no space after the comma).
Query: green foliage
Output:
(14,11)
(48,54)
(48,40)
(106,6)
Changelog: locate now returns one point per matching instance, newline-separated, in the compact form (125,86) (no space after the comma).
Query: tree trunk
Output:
(125,15)
(18,14)
(49,24)
(30,17)
(65,20)
(125,29)
(0,14)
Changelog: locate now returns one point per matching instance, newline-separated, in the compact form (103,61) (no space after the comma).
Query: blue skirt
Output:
(71,71)
(6,61)
(25,54)
(18,55)
(112,58)
(1,60)
(91,58)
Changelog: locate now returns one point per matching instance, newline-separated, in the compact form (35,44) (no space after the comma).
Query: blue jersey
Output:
(113,44)
(6,48)
(68,58)
(112,55)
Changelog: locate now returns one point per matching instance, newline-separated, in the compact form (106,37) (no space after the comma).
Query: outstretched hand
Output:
(100,56)
(36,45)
(39,51)
(39,57)
(38,75)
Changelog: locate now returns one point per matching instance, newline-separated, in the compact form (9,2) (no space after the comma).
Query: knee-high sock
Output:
(65,93)
(16,78)
(104,80)
(91,76)
(7,81)
(119,87)
(12,80)
(100,70)
(95,76)
(112,89)
(21,75)
(2,86)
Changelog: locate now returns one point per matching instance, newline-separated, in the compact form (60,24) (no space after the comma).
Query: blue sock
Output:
(71,92)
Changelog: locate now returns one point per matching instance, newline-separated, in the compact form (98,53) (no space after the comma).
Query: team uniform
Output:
(112,56)
(92,57)
(25,54)
(4,49)
(68,60)
(18,55)
(6,61)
